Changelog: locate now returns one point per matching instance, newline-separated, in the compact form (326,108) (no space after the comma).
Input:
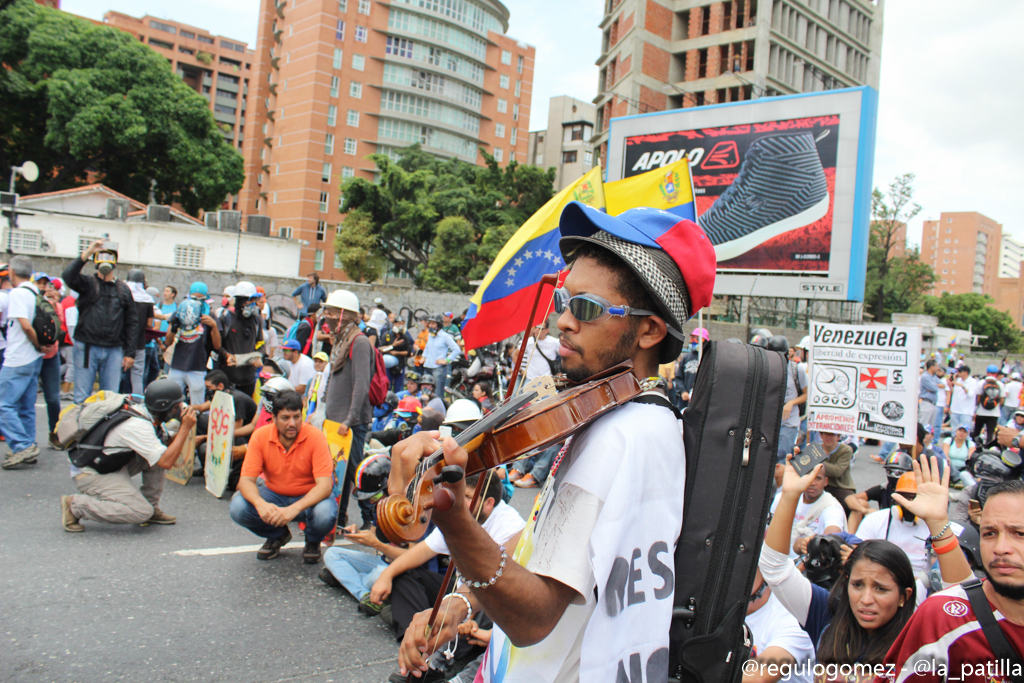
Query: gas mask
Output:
(171,427)
(693,346)
(905,515)
(250,309)
(105,262)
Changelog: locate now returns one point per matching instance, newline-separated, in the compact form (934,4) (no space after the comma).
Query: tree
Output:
(972,312)
(80,99)
(356,248)
(890,214)
(418,191)
(494,239)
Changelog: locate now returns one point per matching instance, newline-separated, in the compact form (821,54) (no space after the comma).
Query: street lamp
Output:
(28,170)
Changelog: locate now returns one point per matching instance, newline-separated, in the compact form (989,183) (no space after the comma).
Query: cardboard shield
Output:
(220,440)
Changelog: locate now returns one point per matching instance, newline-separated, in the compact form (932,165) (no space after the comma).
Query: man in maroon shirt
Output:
(944,639)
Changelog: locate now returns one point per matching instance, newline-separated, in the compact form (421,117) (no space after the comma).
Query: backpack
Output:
(990,396)
(731,432)
(83,429)
(77,420)
(46,322)
(379,384)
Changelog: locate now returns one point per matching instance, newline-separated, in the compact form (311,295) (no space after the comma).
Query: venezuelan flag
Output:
(501,305)
(669,188)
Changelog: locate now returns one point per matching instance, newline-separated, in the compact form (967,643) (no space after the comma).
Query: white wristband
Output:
(469,607)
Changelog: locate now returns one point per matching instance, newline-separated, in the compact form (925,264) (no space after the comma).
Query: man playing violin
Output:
(587,592)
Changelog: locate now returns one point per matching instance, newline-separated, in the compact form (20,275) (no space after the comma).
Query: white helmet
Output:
(246,289)
(462,410)
(276,385)
(343,299)
(229,291)
(805,343)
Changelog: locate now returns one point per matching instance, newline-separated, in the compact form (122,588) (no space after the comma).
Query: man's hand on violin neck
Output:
(406,456)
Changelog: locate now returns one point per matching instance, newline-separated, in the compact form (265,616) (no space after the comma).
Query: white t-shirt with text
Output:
(21,304)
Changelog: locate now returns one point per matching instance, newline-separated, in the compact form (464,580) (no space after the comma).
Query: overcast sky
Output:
(949,110)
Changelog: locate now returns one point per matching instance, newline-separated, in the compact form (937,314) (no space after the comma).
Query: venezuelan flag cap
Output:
(673,258)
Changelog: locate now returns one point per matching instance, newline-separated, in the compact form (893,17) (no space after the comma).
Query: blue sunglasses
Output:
(591,307)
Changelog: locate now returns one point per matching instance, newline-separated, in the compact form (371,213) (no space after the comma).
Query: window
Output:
(323,202)
(285,231)
(325,175)
(346,172)
(205,39)
(318,259)
(355,90)
(329,144)
(361,34)
(499,130)
(227,94)
(949,220)
(503,81)
(400,47)
(506,57)
(948,230)
(188,256)
(161,43)
(225,78)
(519,88)
(332,115)
(343,6)
(946,251)
(350,146)
(588,158)
(337,58)
(502,106)
(513,137)
(499,154)
(364,6)
(84,242)
(947,240)
(339,32)
(232,46)
(186,50)
(321,231)
(160,26)
(186,34)
(515,112)
(335,84)
(569,157)
(223,109)
(519,65)
(358,62)
(353,118)
(944,271)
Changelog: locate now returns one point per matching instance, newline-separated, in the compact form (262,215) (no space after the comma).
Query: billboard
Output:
(782,186)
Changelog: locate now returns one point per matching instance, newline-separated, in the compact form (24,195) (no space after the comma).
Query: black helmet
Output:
(427,378)
(759,340)
(162,395)
(412,377)
(990,467)
(897,464)
(136,275)
(778,343)
(372,476)
(391,399)
(824,560)
(970,543)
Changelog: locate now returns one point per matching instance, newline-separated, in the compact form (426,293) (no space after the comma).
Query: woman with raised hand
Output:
(876,593)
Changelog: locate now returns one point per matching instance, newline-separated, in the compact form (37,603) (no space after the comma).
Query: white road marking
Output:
(231,550)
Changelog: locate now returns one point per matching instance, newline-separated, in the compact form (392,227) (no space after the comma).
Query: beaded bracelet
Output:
(944,530)
(469,607)
(497,575)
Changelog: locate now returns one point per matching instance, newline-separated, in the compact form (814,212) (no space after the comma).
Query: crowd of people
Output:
(840,582)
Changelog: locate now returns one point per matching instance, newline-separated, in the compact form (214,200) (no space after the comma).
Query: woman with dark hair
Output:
(482,394)
(876,593)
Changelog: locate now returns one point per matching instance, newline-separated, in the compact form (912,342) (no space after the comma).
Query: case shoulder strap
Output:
(1001,647)
(658,400)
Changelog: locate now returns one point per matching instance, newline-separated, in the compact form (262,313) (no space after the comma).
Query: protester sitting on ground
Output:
(428,396)
(241,333)
(412,386)
(531,472)
(246,412)
(778,639)
(958,448)
(837,468)
(875,594)
(412,587)
(194,335)
(947,631)
(295,464)
(482,394)
(817,513)
(896,465)
(144,444)
(314,391)
(302,371)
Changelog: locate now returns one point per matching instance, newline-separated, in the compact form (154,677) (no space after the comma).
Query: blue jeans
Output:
(887,448)
(961,419)
(18,387)
(356,571)
(787,439)
(104,364)
(539,465)
(49,377)
(940,417)
(440,374)
(319,519)
(192,382)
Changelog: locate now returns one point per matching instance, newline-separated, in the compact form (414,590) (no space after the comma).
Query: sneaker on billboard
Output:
(781,186)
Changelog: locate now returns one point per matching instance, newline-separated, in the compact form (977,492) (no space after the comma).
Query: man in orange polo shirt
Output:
(295,463)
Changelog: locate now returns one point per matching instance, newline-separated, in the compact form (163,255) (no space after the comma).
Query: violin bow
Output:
(481,484)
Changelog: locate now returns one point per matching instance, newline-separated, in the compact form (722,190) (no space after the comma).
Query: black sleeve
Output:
(388,437)
(875,493)
(130,332)
(74,279)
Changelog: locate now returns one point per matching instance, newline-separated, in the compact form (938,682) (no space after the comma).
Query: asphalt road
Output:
(127,603)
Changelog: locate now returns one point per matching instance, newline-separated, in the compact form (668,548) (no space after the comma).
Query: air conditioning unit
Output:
(258,225)
(117,209)
(157,213)
(210,218)
(229,221)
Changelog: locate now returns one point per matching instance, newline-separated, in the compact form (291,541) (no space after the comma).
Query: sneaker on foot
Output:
(527,482)
(67,519)
(311,553)
(386,615)
(25,456)
(54,443)
(514,476)
(368,607)
(272,548)
(161,517)
(327,577)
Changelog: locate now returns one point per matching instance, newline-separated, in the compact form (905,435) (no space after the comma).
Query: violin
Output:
(516,428)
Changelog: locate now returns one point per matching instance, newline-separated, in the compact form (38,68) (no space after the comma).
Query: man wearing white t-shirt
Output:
(611,509)
(303,371)
(1012,402)
(817,514)
(963,400)
(778,639)
(19,376)
(542,354)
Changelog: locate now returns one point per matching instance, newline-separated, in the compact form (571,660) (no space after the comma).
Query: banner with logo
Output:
(864,380)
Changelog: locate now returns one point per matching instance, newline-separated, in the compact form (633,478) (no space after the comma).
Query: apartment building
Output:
(566,142)
(1011,253)
(337,80)
(217,68)
(963,248)
(659,55)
